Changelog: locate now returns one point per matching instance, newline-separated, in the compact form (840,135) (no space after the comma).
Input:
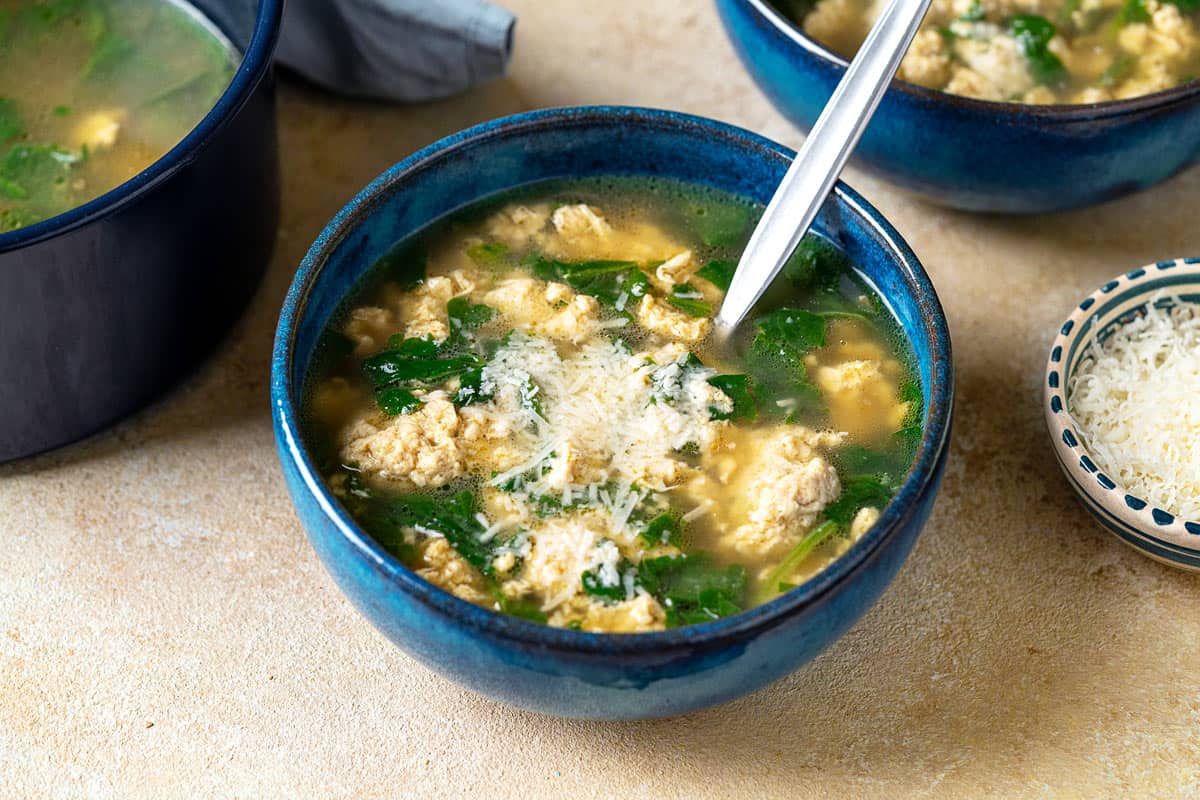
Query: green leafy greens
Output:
(693,588)
(616,284)
(689,300)
(1033,35)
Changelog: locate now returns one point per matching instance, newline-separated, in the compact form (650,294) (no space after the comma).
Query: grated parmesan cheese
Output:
(1135,397)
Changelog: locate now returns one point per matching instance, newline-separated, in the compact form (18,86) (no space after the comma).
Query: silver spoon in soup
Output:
(820,160)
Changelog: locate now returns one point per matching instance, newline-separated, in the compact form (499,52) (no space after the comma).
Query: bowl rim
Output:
(1153,531)
(256,60)
(921,478)
(1075,112)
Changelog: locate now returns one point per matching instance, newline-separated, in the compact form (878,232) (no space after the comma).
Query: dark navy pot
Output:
(972,154)
(105,306)
(565,672)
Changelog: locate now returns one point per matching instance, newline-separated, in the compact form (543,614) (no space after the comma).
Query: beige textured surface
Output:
(166,631)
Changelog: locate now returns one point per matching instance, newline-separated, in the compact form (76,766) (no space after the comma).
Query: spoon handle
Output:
(821,158)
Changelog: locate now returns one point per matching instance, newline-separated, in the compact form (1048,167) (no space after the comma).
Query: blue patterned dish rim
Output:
(267,21)
(1074,111)
(285,383)
(1153,531)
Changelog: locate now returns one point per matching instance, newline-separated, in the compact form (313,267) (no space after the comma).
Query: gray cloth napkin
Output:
(406,50)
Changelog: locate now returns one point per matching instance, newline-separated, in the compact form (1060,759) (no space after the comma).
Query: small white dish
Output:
(1153,531)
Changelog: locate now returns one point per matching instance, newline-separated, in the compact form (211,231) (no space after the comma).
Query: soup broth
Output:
(94,91)
(1029,51)
(524,404)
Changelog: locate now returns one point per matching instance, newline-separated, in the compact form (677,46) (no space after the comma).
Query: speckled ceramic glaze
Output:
(567,672)
(971,154)
(1153,531)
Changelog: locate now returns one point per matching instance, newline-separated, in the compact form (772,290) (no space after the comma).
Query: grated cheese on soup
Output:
(1135,397)
(539,426)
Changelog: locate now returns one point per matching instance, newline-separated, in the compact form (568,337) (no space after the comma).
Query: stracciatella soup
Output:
(1029,51)
(94,91)
(524,405)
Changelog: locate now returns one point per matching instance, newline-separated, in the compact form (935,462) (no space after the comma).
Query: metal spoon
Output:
(821,158)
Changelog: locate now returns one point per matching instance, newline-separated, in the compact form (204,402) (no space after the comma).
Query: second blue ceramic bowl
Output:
(565,672)
(972,154)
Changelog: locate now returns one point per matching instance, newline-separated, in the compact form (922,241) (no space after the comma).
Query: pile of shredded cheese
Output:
(1136,399)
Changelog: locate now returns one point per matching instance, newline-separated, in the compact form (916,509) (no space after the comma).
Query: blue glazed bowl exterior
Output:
(103,307)
(572,673)
(971,154)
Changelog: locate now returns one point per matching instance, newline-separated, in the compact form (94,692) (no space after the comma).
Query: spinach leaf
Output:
(574,273)
(796,557)
(782,385)
(792,331)
(423,347)
(13,218)
(11,124)
(488,254)
(739,389)
(1033,35)
(471,388)
(44,15)
(613,283)
(531,397)
(396,400)
(610,594)
(908,438)
(110,54)
(885,464)
(1130,12)
(392,367)
(692,588)
(417,361)
(719,273)
(366,505)
(816,264)
(776,361)
(521,608)
(689,300)
(721,225)
(666,528)
(858,492)
(465,315)
(454,517)
(40,173)
(12,190)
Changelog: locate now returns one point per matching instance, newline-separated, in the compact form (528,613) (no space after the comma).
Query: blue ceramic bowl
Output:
(973,154)
(565,672)
(1148,529)
(105,306)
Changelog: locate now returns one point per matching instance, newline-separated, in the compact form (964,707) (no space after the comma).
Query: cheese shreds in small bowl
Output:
(1135,397)
(1122,404)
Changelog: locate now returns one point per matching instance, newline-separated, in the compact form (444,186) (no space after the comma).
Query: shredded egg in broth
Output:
(523,404)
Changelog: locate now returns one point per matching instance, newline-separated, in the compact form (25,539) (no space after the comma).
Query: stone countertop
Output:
(166,630)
